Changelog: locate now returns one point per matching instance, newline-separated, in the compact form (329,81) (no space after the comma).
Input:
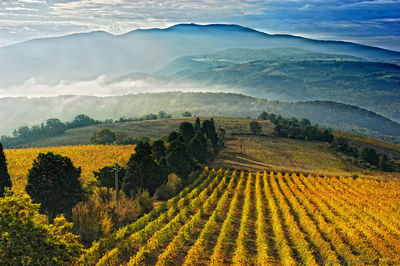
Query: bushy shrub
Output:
(169,189)
(145,200)
(101,214)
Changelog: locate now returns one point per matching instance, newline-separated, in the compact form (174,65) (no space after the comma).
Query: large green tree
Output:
(142,172)
(178,159)
(25,239)
(5,180)
(187,131)
(53,181)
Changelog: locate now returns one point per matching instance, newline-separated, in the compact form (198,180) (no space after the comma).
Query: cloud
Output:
(99,86)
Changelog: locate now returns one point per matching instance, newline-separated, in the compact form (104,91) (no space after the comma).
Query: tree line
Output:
(366,157)
(54,126)
(296,129)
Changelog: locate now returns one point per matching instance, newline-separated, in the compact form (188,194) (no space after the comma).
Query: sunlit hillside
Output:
(260,218)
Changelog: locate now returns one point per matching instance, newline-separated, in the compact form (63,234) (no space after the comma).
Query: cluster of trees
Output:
(296,129)
(52,127)
(366,157)
(178,153)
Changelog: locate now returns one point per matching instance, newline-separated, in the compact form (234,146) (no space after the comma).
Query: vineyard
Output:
(246,218)
(89,157)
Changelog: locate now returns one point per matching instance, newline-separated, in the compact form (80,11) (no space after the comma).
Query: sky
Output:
(371,22)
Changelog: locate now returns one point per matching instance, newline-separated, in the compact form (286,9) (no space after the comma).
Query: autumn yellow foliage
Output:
(89,157)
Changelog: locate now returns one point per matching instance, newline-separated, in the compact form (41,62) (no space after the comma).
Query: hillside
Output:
(338,116)
(294,75)
(90,55)
(234,56)
(248,218)
(257,152)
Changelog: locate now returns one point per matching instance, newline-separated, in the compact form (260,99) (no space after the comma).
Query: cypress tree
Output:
(198,147)
(178,160)
(187,131)
(5,180)
(209,130)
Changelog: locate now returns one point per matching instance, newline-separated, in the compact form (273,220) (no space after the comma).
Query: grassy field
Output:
(90,158)
(263,218)
(150,128)
(288,155)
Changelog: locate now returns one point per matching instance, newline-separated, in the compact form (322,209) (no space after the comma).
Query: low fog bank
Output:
(100,86)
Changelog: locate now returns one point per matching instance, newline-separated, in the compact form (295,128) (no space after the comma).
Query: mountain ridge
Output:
(89,55)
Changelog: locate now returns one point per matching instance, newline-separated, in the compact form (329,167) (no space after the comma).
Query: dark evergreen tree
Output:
(174,136)
(5,180)
(197,125)
(106,176)
(53,181)
(370,156)
(158,149)
(198,147)
(209,129)
(143,172)
(187,131)
(178,159)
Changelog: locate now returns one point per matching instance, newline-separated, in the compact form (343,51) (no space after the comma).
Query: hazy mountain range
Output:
(89,55)
(217,58)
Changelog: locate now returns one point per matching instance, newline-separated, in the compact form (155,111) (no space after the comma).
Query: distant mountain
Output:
(234,56)
(16,112)
(294,75)
(89,55)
